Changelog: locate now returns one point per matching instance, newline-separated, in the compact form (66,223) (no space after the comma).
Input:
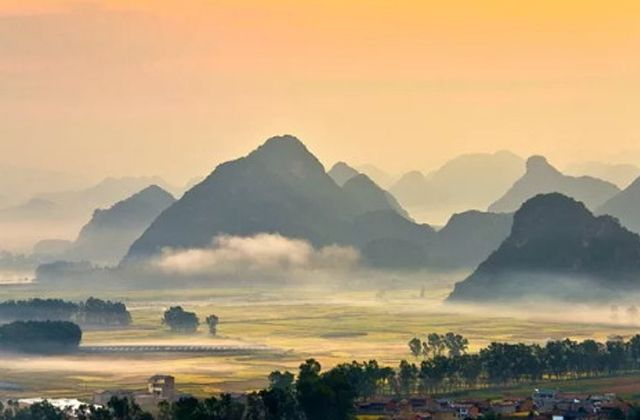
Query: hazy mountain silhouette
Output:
(556,249)
(282,188)
(377,175)
(370,197)
(542,178)
(413,189)
(110,232)
(465,182)
(620,174)
(49,250)
(625,206)
(341,173)
(79,203)
(278,188)
(469,238)
(387,239)
(35,208)
(20,184)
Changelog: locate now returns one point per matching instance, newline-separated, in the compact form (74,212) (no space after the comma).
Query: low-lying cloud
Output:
(263,254)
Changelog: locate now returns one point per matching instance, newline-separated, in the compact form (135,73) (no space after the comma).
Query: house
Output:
(544,399)
(162,387)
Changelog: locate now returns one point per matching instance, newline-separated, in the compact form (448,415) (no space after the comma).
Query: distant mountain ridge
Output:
(625,206)
(278,188)
(621,174)
(282,188)
(341,173)
(110,232)
(541,178)
(470,181)
(557,249)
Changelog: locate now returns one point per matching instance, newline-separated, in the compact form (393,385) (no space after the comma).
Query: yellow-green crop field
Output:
(329,324)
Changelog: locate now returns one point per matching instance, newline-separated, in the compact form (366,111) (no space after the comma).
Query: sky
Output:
(172,88)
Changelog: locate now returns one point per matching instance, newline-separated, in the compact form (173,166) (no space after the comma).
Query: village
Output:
(541,404)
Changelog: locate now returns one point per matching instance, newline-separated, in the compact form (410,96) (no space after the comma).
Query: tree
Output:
(40,336)
(455,343)
(281,380)
(126,409)
(415,345)
(407,377)
(100,312)
(212,322)
(326,396)
(178,319)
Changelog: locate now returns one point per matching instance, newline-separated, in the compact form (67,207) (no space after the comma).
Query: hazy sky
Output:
(174,87)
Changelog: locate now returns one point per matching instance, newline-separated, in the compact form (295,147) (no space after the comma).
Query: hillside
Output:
(278,188)
(470,181)
(625,206)
(557,249)
(110,232)
(541,178)
(341,173)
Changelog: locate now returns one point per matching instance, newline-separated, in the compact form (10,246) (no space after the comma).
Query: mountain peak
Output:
(154,190)
(289,156)
(342,173)
(557,247)
(284,143)
(541,177)
(537,163)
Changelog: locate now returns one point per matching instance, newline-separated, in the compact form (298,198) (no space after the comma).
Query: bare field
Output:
(330,325)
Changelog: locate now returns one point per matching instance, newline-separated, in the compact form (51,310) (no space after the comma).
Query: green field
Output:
(328,324)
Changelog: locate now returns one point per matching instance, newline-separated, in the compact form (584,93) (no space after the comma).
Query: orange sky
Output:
(174,87)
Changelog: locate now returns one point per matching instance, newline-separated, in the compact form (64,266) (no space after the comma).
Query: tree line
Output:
(447,366)
(93,311)
(40,336)
(179,320)
(314,394)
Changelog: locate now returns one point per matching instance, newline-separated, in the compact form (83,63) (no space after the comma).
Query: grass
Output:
(329,325)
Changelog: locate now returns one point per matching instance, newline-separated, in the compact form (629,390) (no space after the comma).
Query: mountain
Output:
(620,174)
(470,181)
(62,214)
(370,197)
(110,233)
(377,175)
(557,249)
(19,184)
(412,189)
(103,194)
(33,209)
(469,238)
(279,188)
(625,206)
(541,177)
(341,173)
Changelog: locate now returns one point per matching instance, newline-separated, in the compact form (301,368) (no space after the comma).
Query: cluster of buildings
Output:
(159,388)
(541,405)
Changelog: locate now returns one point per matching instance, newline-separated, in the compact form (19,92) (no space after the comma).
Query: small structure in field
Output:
(162,387)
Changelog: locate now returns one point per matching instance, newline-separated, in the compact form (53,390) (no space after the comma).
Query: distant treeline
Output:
(312,394)
(91,312)
(446,366)
(40,336)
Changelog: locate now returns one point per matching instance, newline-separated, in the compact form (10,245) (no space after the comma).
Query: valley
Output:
(293,323)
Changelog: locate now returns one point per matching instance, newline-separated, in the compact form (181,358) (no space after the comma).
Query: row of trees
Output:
(40,336)
(91,312)
(179,320)
(447,366)
(311,395)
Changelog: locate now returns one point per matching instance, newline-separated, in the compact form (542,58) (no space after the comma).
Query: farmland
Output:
(330,324)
